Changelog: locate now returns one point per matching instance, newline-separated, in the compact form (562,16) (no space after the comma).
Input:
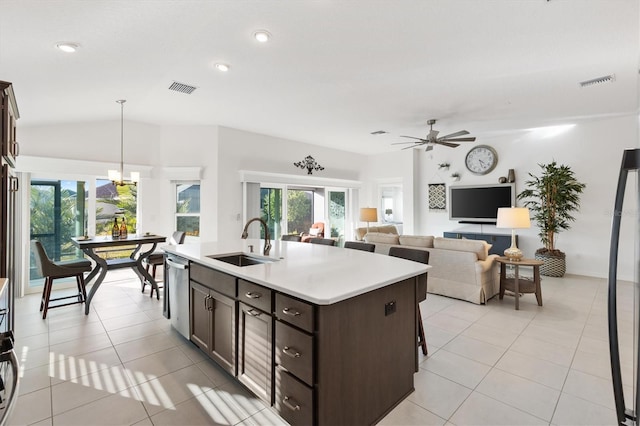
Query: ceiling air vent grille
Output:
(182,88)
(606,79)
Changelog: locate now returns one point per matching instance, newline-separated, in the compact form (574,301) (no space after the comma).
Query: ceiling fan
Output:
(433,139)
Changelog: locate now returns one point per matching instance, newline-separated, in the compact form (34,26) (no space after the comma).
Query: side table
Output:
(518,284)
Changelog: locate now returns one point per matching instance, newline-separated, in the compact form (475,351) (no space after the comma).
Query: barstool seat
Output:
(156,258)
(51,270)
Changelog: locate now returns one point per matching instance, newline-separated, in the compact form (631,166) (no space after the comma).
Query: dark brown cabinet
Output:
(9,113)
(212,321)
(255,351)
(310,362)
(8,190)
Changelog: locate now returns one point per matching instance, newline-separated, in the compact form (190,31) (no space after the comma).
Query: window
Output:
(271,211)
(58,213)
(299,210)
(188,208)
(115,201)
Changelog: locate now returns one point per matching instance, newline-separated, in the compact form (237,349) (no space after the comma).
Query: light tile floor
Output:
(490,365)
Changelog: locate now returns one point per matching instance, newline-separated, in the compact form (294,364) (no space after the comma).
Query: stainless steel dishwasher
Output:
(177,273)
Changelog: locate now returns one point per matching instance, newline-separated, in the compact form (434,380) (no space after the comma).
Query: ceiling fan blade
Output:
(413,137)
(470,139)
(453,135)
(429,148)
(402,143)
(433,134)
(451,145)
(409,147)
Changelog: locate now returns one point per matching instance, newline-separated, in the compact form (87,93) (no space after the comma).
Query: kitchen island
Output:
(323,334)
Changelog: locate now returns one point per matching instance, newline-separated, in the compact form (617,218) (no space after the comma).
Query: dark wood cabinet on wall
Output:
(8,189)
(9,116)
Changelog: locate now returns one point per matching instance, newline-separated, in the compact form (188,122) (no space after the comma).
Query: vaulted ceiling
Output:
(334,70)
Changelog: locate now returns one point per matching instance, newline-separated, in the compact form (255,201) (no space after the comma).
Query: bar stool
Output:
(421,256)
(156,258)
(357,245)
(51,270)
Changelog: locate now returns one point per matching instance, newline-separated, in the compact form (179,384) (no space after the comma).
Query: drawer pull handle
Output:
(252,295)
(288,351)
(288,311)
(290,406)
(253,313)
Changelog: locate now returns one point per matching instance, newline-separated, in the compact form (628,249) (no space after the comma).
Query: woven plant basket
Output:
(553,266)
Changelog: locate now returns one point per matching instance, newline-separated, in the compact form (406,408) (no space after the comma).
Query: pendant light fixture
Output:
(115,176)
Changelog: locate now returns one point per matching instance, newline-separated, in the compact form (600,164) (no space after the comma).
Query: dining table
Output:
(91,246)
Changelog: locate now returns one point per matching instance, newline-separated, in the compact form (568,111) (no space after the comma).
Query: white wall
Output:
(241,150)
(593,150)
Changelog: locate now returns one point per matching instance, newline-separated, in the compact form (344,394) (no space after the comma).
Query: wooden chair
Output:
(51,270)
(156,258)
(356,245)
(421,256)
(297,238)
(323,241)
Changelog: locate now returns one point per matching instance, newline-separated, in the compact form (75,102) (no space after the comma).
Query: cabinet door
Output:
(223,326)
(200,316)
(255,351)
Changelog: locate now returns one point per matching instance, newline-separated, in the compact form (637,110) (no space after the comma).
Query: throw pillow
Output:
(314,232)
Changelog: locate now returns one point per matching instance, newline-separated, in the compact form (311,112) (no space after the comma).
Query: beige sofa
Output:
(382,229)
(462,269)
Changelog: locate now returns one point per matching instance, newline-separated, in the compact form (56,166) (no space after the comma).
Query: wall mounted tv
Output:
(480,203)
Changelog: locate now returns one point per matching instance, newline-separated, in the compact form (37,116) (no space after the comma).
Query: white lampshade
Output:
(513,217)
(369,214)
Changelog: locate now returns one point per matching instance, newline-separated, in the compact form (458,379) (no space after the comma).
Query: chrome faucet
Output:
(267,237)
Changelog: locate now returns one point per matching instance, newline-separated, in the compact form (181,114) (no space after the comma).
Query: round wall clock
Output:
(481,159)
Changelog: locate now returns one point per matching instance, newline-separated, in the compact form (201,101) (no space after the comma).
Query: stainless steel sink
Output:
(240,259)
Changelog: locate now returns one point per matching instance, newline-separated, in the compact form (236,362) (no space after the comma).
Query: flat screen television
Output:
(480,203)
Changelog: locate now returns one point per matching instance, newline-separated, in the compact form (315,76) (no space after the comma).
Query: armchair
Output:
(316,231)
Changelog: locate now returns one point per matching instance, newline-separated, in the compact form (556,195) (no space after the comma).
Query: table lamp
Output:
(514,218)
(368,214)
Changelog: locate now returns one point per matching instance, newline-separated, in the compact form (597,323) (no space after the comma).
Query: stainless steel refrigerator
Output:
(625,412)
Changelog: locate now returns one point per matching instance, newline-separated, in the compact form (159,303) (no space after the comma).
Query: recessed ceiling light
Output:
(222,67)
(67,47)
(262,36)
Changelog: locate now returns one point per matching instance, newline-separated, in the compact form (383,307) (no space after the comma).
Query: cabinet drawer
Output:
(294,351)
(294,400)
(254,295)
(222,283)
(294,312)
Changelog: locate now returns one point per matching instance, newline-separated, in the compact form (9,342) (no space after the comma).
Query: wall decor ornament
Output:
(310,164)
(437,196)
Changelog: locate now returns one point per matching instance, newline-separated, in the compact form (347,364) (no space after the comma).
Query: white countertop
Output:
(313,272)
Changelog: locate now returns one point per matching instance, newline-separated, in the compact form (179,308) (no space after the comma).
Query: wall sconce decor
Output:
(310,164)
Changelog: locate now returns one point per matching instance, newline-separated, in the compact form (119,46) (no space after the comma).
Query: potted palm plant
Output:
(552,197)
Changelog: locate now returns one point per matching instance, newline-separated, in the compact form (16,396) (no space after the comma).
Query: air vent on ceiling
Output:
(606,79)
(182,88)
(379,132)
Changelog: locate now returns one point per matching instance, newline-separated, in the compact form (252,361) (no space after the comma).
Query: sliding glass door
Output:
(337,214)
(58,212)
